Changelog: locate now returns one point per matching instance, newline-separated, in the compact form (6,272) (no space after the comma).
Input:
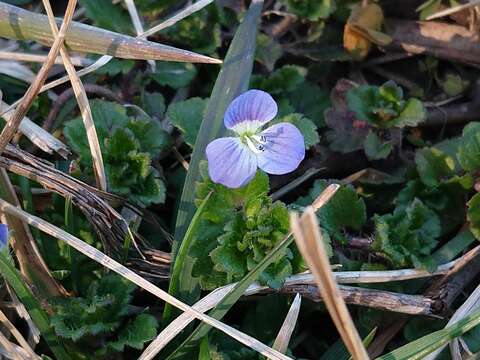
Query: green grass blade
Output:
(20,24)
(192,342)
(181,279)
(420,348)
(38,315)
(233,79)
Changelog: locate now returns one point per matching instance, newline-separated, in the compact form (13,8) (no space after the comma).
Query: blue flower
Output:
(277,150)
(3,236)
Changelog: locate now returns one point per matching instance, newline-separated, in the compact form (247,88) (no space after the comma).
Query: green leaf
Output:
(128,144)
(181,275)
(99,313)
(434,166)
(313,10)
(310,100)
(234,76)
(108,16)
(345,210)
(391,92)
(175,75)
(473,215)
(268,51)
(384,107)
(375,149)
(115,67)
(413,113)
(150,135)
(306,127)
(187,117)
(285,79)
(469,149)
(428,8)
(445,199)
(408,235)
(454,85)
(198,32)
(136,333)
(244,225)
(153,104)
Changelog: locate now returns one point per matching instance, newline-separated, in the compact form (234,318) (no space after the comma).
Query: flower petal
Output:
(283,149)
(230,162)
(3,236)
(250,111)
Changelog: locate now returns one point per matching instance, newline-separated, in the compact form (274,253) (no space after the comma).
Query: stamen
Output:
(262,139)
(252,146)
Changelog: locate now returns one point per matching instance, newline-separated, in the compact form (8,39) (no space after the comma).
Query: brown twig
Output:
(452,114)
(442,40)
(12,126)
(67,94)
(376,299)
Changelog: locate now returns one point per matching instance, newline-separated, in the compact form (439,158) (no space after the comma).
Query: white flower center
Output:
(256,143)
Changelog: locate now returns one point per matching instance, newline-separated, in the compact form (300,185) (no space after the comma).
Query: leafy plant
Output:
(383,106)
(199,32)
(128,146)
(104,310)
(369,117)
(408,235)
(238,229)
(311,9)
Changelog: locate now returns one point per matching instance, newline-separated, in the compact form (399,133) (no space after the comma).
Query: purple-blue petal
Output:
(230,162)
(284,149)
(3,236)
(254,106)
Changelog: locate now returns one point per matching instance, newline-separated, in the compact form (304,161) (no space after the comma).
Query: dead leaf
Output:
(362,29)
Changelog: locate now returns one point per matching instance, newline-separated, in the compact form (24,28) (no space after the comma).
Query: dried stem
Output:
(12,126)
(83,104)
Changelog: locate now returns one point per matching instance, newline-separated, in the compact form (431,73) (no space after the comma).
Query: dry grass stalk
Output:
(189,10)
(176,326)
(214,298)
(283,338)
(85,110)
(16,334)
(38,136)
(89,39)
(137,24)
(34,333)
(16,56)
(31,263)
(108,224)
(115,266)
(453,10)
(310,244)
(11,352)
(12,126)
(106,58)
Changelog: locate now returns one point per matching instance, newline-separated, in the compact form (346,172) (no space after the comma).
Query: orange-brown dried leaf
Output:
(362,29)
